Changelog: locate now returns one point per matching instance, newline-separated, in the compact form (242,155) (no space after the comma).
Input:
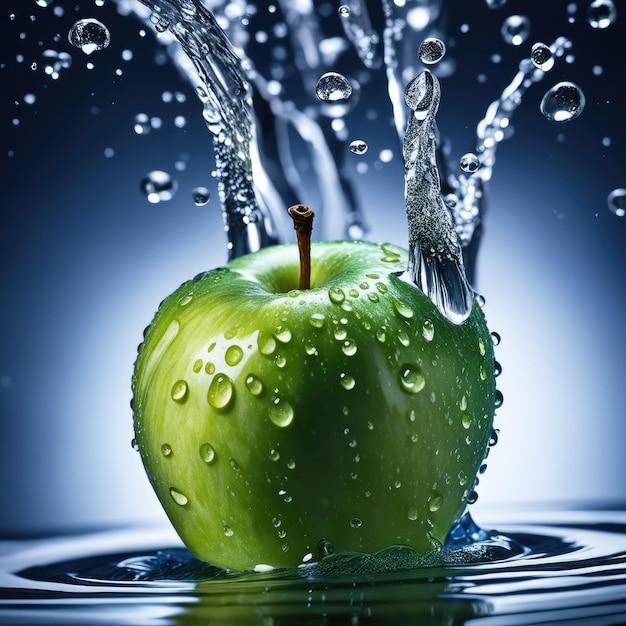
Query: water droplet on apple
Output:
(349,347)
(207,453)
(197,366)
(233,355)
(497,368)
(382,288)
(347,382)
(310,349)
(280,360)
(412,378)
(325,548)
(166,449)
(317,320)
(435,501)
(228,531)
(462,478)
(209,368)
(372,276)
(355,522)
(473,496)
(413,514)
(428,330)
(254,385)
(221,392)
(402,308)
(482,372)
(373,297)
(495,338)
(466,420)
(185,300)
(266,343)
(274,455)
(481,346)
(281,413)
(340,333)
(234,464)
(178,497)
(404,338)
(336,295)
(498,399)
(381,335)
(134,445)
(180,391)
(283,334)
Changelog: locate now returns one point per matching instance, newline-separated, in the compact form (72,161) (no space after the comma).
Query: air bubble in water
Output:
(358,146)
(601,14)
(469,162)
(431,50)
(344,10)
(141,124)
(200,195)
(158,186)
(515,29)
(89,35)
(332,87)
(541,56)
(617,202)
(563,102)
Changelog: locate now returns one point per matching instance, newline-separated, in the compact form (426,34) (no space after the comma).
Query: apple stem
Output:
(302,217)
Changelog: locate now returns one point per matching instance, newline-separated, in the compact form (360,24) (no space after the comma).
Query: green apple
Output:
(277,424)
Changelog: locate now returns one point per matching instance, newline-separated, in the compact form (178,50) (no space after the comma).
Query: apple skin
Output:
(270,419)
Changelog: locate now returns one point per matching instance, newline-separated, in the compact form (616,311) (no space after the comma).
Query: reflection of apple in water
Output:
(277,423)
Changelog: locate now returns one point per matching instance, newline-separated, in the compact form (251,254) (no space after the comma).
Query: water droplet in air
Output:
(221,392)
(158,186)
(428,330)
(412,378)
(200,195)
(431,50)
(233,355)
(541,56)
(180,391)
(601,14)
(358,146)
(344,10)
(254,385)
(498,399)
(495,338)
(317,320)
(469,162)
(332,87)
(207,453)
(617,202)
(563,102)
(515,29)
(355,522)
(178,497)
(281,413)
(166,449)
(89,35)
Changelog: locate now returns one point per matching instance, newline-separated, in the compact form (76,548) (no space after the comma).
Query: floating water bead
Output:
(358,147)
(563,102)
(541,56)
(200,195)
(431,50)
(601,14)
(469,162)
(89,35)
(158,186)
(617,202)
(332,87)
(515,29)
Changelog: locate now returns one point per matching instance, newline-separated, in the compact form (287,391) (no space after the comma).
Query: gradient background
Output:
(85,259)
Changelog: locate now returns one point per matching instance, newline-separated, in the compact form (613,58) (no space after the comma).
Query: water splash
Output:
(435,257)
